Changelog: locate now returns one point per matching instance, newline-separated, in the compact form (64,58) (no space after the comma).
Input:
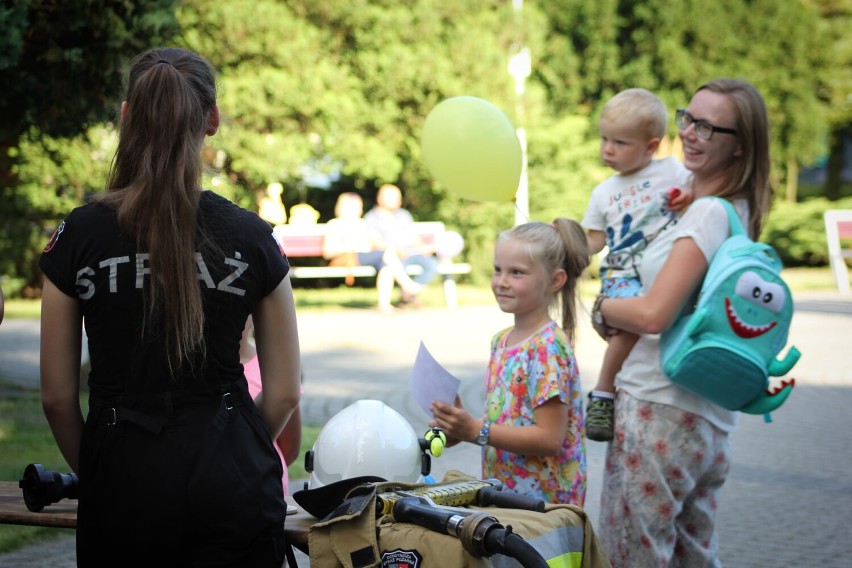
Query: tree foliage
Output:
(345,87)
(331,96)
(60,67)
(56,175)
(836,86)
(342,85)
(670,48)
(61,62)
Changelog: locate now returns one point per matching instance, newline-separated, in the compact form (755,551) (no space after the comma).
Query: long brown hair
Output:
(560,245)
(154,186)
(750,179)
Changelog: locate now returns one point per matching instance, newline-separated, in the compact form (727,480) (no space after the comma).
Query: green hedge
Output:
(797,230)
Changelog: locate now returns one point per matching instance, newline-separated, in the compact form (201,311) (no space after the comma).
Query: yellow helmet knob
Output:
(436,446)
(437,440)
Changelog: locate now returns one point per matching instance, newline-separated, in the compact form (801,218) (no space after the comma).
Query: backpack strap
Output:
(737,228)
(733,217)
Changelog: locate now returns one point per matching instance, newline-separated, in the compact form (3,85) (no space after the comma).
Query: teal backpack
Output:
(726,349)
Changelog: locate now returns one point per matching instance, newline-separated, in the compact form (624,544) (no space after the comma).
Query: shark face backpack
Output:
(726,349)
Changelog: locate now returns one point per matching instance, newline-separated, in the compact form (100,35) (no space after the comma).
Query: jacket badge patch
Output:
(401,559)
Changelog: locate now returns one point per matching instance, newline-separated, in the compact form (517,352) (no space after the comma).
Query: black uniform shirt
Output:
(90,259)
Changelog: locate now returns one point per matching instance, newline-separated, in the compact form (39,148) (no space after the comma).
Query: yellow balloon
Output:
(471,147)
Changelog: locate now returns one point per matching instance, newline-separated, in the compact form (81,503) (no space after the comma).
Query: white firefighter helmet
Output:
(365,438)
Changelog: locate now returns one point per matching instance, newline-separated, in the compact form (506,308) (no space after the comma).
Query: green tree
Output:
(343,83)
(61,62)
(836,83)
(597,49)
(54,175)
(782,67)
(60,67)
(346,86)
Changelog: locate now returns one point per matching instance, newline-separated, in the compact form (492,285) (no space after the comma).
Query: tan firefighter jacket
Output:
(353,537)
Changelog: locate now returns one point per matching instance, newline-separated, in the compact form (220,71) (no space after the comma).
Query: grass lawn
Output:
(25,437)
(14,308)
(323,299)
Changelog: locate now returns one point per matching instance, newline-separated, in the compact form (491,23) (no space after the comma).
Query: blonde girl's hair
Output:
(562,245)
(154,186)
(640,109)
(750,179)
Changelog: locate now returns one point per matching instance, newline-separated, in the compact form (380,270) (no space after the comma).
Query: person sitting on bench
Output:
(392,227)
(347,243)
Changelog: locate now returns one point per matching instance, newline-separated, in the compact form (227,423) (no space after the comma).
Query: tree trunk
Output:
(792,178)
(835,163)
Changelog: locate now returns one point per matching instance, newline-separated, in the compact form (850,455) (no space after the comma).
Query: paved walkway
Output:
(788,499)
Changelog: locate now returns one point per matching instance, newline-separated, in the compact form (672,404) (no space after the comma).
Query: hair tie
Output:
(164,61)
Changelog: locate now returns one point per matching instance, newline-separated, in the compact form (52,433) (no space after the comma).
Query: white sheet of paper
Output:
(430,381)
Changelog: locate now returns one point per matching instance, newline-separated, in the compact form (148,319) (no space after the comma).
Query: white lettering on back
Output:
(113,270)
(224,285)
(142,269)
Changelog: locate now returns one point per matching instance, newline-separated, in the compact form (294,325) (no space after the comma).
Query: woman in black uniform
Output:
(175,461)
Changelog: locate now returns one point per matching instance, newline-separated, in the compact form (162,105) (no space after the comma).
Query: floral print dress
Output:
(520,378)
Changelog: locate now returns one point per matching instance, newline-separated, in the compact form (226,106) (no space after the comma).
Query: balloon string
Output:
(518,209)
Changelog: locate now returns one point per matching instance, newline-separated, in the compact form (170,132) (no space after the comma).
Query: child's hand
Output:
(454,420)
(678,199)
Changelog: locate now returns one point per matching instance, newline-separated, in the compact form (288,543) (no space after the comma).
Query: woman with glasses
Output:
(671,451)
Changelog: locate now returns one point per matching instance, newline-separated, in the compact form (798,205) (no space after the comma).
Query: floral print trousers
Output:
(662,472)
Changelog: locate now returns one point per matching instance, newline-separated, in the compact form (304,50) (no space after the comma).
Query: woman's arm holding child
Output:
(679,277)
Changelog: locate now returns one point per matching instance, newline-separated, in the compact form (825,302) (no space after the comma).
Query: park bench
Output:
(303,246)
(838,230)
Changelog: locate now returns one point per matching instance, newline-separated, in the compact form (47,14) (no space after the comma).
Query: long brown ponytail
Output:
(154,186)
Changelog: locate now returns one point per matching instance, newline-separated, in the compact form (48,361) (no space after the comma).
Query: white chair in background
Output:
(838,227)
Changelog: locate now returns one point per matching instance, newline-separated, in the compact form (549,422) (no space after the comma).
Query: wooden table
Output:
(13,511)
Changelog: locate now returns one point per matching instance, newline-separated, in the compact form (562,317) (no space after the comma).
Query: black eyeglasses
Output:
(703,129)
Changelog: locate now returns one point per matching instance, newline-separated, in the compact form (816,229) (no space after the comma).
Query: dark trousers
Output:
(203,489)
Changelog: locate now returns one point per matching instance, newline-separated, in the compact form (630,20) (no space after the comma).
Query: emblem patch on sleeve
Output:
(54,237)
(401,559)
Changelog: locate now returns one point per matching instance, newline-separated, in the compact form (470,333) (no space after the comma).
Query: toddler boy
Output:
(625,213)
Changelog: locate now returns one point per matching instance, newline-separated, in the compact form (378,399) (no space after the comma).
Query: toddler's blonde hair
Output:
(640,109)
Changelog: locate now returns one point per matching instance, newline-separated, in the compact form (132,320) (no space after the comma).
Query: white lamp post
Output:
(520,67)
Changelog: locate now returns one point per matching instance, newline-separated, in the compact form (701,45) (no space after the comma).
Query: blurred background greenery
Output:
(330,96)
